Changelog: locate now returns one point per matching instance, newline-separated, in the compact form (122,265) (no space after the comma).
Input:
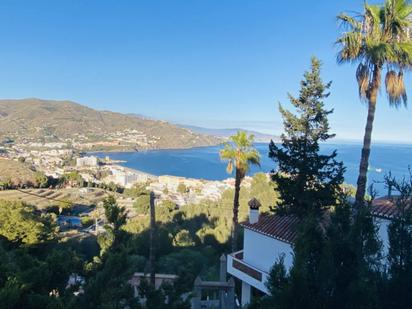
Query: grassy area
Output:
(15,171)
(43,198)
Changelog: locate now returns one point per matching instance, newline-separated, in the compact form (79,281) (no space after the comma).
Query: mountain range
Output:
(226,133)
(49,120)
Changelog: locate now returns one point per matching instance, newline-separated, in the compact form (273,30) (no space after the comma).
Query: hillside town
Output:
(56,159)
(102,207)
(128,139)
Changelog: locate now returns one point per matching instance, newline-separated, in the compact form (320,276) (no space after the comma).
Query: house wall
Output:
(383,235)
(262,251)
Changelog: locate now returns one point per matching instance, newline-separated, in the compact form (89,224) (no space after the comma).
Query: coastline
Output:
(204,162)
(131,150)
(136,171)
(155,177)
(333,142)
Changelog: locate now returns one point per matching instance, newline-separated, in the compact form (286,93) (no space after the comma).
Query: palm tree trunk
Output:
(152,236)
(238,179)
(366,149)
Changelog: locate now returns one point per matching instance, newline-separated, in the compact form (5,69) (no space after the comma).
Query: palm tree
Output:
(240,154)
(380,41)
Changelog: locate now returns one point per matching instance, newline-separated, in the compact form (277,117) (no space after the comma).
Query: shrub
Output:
(86,221)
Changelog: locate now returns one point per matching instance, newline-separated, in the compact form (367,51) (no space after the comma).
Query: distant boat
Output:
(377,170)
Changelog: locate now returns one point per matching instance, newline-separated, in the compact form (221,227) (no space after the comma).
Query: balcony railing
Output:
(244,271)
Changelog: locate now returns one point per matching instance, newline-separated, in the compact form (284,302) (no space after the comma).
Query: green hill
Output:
(47,120)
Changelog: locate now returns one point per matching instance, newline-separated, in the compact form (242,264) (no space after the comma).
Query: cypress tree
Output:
(307,275)
(400,247)
(307,180)
(353,255)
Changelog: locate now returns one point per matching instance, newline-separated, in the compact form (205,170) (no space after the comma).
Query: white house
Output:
(266,237)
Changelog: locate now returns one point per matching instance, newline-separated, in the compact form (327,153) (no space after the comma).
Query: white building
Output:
(127,177)
(266,237)
(87,161)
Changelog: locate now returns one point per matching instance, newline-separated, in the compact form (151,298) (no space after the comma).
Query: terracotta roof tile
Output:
(384,207)
(280,227)
(284,227)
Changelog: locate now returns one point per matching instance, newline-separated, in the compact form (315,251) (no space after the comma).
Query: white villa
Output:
(266,237)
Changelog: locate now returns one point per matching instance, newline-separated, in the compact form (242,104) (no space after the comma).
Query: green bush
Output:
(181,188)
(86,221)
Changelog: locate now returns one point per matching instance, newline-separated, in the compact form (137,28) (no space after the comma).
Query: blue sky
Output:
(213,63)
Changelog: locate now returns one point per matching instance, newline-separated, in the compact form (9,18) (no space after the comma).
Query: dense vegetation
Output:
(189,242)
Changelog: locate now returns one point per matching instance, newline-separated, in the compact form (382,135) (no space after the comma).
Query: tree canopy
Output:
(307,179)
(23,224)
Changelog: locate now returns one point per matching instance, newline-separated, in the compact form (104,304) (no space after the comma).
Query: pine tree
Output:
(307,180)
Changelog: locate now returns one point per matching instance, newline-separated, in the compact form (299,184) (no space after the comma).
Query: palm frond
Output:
(403,54)
(362,76)
(395,88)
(240,139)
(240,153)
(381,36)
(229,167)
(349,22)
(228,152)
(351,46)
(253,157)
(373,19)
(404,11)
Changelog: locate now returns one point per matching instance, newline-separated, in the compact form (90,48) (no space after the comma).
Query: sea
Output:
(204,162)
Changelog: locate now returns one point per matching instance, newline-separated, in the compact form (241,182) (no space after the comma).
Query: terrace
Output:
(238,267)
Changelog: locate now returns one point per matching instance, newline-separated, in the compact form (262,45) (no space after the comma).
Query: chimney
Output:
(254,205)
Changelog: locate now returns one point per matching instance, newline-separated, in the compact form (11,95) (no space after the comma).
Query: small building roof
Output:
(385,207)
(285,227)
(281,227)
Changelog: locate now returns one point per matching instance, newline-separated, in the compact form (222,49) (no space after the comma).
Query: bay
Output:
(204,162)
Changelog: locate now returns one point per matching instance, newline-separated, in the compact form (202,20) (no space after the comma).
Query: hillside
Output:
(226,133)
(16,172)
(52,121)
